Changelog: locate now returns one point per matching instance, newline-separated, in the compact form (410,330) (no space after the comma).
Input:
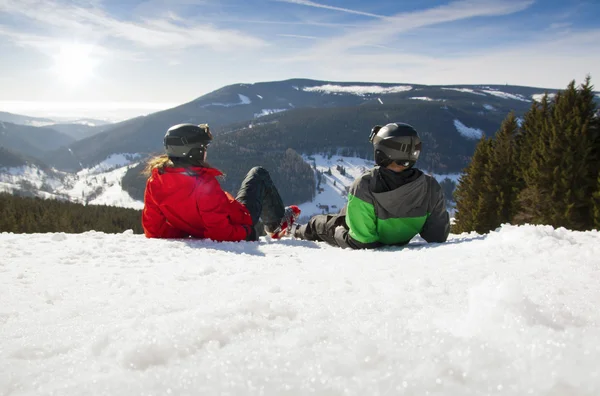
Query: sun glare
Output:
(74,63)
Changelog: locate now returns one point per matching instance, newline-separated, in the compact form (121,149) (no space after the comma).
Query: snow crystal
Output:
(512,312)
(469,133)
(489,107)
(505,95)
(359,90)
(260,97)
(465,90)
(380,101)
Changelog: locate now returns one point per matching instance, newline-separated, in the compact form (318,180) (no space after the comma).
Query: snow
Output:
(99,185)
(443,176)
(505,95)
(380,101)
(27,174)
(111,162)
(469,133)
(99,188)
(244,100)
(426,99)
(465,90)
(333,197)
(260,97)
(539,97)
(489,107)
(359,90)
(265,112)
(512,313)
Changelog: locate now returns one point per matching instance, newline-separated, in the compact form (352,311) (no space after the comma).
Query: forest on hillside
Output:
(544,171)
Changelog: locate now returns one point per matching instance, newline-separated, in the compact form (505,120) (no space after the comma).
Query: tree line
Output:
(35,215)
(543,169)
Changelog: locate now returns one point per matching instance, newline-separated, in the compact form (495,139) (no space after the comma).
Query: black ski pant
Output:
(261,198)
(322,227)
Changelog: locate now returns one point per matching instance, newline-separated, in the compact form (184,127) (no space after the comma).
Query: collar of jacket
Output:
(194,170)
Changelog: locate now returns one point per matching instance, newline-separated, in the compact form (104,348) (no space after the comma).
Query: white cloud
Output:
(377,33)
(318,5)
(298,36)
(93,23)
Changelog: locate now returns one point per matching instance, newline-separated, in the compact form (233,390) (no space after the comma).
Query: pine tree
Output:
(560,170)
(470,194)
(596,205)
(501,182)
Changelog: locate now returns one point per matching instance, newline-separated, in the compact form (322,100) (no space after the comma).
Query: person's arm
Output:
(437,225)
(360,218)
(154,222)
(215,211)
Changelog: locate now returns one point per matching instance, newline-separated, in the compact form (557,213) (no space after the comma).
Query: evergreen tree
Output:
(596,205)
(501,181)
(562,168)
(469,194)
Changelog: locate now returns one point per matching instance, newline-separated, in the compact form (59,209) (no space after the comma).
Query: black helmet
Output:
(187,141)
(395,142)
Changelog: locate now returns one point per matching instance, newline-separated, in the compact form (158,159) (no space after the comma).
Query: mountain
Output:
(24,120)
(12,159)
(512,312)
(31,141)
(280,124)
(80,130)
(77,128)
(247,102)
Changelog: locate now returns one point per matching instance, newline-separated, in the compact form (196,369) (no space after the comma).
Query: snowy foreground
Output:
(511,313)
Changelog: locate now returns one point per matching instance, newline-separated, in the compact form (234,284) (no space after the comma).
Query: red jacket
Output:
(179,203)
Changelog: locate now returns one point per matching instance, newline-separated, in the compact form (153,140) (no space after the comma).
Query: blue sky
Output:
(173,51)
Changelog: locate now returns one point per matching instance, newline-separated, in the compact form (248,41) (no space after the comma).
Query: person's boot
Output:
(289,218)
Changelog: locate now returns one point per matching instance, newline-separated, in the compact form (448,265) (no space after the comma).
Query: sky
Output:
(67,53)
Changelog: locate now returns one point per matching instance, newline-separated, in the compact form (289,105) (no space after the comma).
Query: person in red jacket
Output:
(184,199)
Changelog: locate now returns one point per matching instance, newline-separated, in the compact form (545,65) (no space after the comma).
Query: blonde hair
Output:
(159,162)
(163,161)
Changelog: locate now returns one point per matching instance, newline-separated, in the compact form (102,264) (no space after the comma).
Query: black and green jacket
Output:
(389,208)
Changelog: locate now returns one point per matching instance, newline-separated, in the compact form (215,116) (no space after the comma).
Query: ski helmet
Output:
(187,141)
(395,142)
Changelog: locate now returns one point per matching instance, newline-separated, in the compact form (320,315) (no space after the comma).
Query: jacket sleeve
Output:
(215,213)
(437,225)
(154,222)
(360,219)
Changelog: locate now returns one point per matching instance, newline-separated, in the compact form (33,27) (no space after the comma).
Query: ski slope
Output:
(333,194)
(514,312)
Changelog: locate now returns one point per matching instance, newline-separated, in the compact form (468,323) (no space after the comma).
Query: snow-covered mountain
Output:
(336,174)
(514,312)
(480,108)
(102,184)
(99,185)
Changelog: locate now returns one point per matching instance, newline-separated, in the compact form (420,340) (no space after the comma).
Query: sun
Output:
(74,63)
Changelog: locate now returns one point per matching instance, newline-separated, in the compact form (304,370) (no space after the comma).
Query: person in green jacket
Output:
(390,203)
